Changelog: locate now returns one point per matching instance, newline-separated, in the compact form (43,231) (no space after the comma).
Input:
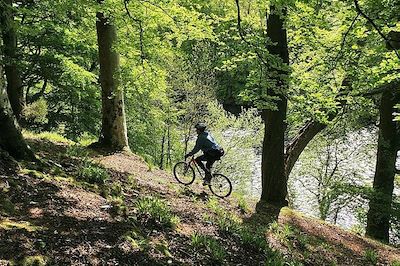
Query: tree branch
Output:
(344,39)
(393,85)
(387,41)
(242,37)
(141,31)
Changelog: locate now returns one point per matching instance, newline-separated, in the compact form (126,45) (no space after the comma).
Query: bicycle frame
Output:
(193,161)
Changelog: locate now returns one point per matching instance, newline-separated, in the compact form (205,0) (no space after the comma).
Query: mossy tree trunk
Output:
(11,139)
(274,181)
(113,129)
(378,217)
(14,82)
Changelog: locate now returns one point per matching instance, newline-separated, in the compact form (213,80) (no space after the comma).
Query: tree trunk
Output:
(14,82)
(310,129)
(169,159)
(113,130)
(274,181)
(300,142)
(11,139)
(162,150)
(378,217)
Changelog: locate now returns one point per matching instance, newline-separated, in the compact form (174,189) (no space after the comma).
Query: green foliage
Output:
(371,257)
(255,239)
(230,224)
(226,221)
(155,210)
(19,225)
(200,241)
(164,249)
(327,174)
(283,232)
(242,204)
(136,239)
(36,112)
(275,258)
(77,151)
(6,206)
(132,182)
(44,135)
(358,229)
(92,173)
(118,205)
(116,190)
(395,263)
(37,260)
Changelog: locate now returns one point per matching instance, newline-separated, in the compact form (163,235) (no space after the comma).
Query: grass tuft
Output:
(6,206)
(51,136)
(371,257)
(34,261)
(157,211)
(21,225)
(92,173)
(211,245)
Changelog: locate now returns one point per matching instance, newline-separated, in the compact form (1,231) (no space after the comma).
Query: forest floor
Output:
(63,214)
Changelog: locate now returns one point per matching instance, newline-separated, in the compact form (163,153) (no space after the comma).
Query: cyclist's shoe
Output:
(207,179)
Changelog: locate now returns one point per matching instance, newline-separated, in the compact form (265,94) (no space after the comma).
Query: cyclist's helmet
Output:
(200,126)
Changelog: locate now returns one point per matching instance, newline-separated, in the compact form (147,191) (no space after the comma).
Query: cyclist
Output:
(211,151)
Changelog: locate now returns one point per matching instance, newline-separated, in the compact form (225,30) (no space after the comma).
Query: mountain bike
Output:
(185,174)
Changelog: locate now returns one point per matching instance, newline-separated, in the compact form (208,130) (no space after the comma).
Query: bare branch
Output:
(141,31)
(340,54)
(159,7)
(387,41)
(239,20)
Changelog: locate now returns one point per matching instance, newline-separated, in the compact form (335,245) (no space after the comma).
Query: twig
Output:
(159,7)
(357,5)
(344,39)
(243,37)
(141,31)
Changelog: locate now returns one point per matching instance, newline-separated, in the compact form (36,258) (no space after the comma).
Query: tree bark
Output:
(113,130)
(274,181)
(14,82)
(162,150)
(11,139)
(299,143)
(311,128)
(378,217)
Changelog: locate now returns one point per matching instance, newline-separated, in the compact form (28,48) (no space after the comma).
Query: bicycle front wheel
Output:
(184,173)
(220,186)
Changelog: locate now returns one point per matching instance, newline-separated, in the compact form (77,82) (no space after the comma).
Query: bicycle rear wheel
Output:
(184,173)
(220,186)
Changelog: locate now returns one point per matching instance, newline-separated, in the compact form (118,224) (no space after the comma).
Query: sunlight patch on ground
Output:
(36,212)
(9,225)
(51,136)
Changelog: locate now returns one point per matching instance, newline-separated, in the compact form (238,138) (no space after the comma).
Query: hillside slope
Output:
(62,213)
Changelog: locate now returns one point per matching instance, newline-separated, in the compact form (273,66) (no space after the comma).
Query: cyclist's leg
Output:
(199,160)
(210,161)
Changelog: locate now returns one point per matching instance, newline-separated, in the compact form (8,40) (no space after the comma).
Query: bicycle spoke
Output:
(220,186)
(184,173)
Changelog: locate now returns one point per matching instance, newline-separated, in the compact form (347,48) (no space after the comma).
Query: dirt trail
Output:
(45,214)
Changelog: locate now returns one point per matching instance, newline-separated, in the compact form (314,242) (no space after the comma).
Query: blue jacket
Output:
(205,142)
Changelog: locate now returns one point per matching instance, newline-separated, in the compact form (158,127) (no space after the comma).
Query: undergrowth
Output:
(92,173)
(156,211)
(210,245)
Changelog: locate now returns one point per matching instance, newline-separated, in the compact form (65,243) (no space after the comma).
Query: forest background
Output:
(177,62)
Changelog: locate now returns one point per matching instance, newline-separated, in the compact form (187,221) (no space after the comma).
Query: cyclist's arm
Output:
(196,148)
